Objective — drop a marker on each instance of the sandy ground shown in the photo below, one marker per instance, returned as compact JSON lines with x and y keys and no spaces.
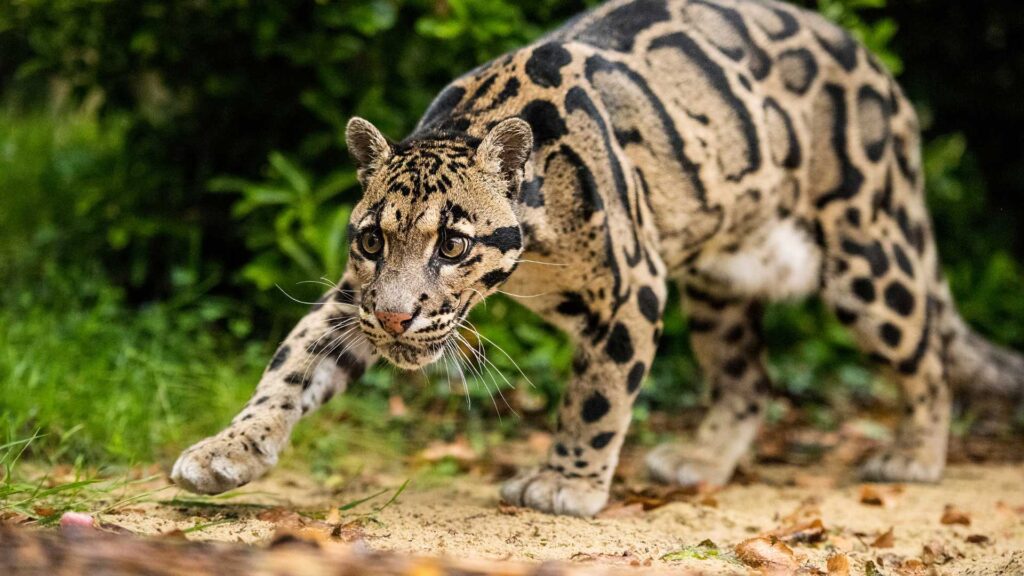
{"x":461,"y":517}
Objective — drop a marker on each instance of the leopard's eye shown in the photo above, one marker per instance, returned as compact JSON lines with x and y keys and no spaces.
{"x":371,"y":242}
{"x":454,"y":247}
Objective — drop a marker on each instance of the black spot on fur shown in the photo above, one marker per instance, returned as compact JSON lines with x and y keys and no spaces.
{"x":572,"y":304}
{"x":296,"y":379}
{"x":545,"y":121}
{"x":845,"y":316}
{"x":619,"y":346}
{"x":595,"y":407}
{"x":279,"y":358}
{"x":510,"y":90}
{"x":735,"y":367}
{"x":902,"y":260}
{"x":504,"y":239}
{"x":601,"y":440}
{"x":648,"y":303}
{"x":899,"y":299}
{"x":700,"y":325}
{"x":545,"y":64}
{"x":735,"y":334}
{"x":890,"y":334}
{"x":561,"y":450}
{"x":617,"y":29}
{"x":864,"y":289}
{"x":636,"y":376}
{"x":853,"y":215}
{"x":494,"y":277}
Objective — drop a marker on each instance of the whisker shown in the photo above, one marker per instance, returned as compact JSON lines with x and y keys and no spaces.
{"x":522,"y":295}
{"x":500,"y":349}
{"x":293,"y":298}
{"x":524,"y":260}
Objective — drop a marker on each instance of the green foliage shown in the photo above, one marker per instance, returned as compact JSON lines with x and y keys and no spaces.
{"x":294,"y":227}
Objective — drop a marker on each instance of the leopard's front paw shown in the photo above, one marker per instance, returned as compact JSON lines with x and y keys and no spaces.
{"x":221,"y":463}
{"x":902,"y":464}
{"x":552,"y":492}
{"x":688,"y":466}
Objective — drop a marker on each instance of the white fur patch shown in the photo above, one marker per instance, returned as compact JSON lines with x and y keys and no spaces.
{"x":783,"y":262}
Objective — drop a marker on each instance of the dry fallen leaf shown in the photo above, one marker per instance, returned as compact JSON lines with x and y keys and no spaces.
{"x":935,"y":553}
{"x":911,"y":567}
{"x":622,"y":510}
{"x":653,"y":497}
{"x":809,"y":532}
{"x":885,"y":540}
{"x":885,"y":497}
{"x":771,"y":556}
{"x":953,"y":515}
{"x":838,"y":565}
{"x":977,"y":539}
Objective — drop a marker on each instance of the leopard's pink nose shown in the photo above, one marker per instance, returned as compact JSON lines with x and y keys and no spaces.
{"x":394,"y":322}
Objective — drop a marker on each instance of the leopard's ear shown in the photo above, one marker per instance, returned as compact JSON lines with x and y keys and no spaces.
{"x":368,"y":147}
{"x":505,"y":150}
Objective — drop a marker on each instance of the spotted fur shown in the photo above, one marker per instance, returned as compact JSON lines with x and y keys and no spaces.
{"x":746,"y":149}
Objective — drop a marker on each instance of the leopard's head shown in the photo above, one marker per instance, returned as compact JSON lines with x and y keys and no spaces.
{"x":434,"y":233}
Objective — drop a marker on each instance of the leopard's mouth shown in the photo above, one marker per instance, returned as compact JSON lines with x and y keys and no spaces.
{"x":410,"y":357}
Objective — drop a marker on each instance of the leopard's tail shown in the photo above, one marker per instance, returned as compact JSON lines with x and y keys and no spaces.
{"x":974,"y":364}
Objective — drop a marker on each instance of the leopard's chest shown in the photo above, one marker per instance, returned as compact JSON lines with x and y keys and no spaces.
{"x":779,"y":260}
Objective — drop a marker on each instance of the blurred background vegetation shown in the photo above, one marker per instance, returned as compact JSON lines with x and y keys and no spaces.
{"x":173,"y":176}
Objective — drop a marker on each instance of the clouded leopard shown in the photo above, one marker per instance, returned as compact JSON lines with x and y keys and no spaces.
{"x":747,"y":150}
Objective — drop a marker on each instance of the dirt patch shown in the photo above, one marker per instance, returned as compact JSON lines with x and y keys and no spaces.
{"x":983,"y":506}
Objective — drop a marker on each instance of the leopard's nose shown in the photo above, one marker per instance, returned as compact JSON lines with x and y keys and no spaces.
{"x":394,"y":322}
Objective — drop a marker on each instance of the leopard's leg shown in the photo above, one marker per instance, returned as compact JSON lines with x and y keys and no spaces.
{"x":612,"y":358}
{"x":319,"y":358}
{"x":727,"y":341}
{"x":882,"y":285}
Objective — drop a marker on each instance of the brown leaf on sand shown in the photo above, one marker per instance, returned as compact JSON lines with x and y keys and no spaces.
{"x":911,"y":567}
{"x":768,"y":554}
{"x":935,"y":553}
{"x":953,"y":515}
{"x":977,"y":539}
{"x":282,"y":518}
{"x":809,"y":532}
{"x":622,"y":510}
{"x":653,"y":497}
{"x":838,"y":565}
{"x":873,"y":495}
{"x":884,"y":540}
{"x":288,"y":522}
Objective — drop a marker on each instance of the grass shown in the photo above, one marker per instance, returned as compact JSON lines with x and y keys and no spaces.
{"x":106,"y":384}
